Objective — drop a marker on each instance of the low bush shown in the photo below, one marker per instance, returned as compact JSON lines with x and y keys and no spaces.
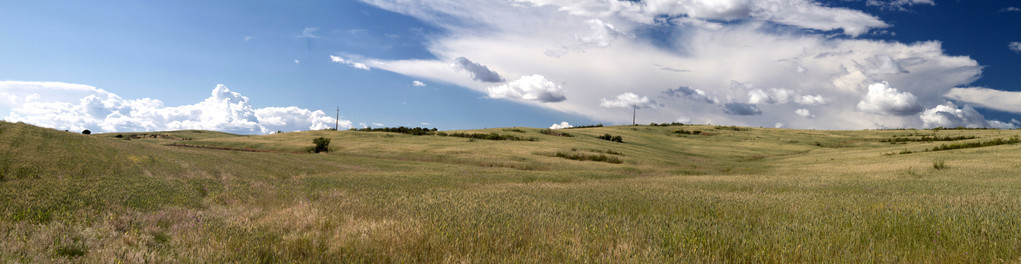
{"x":490,"y":136}
{"x":926,"y":139}
{"x":995,"y":142}
{"x":416,"y":131}
{"x":583,"y":157}
{"x":686,"y":132}
{"x":552,"y":132}
{"x":596,"y":125}
{"x":733,"y":128}
{"x":612,"y":138}
{"x":939,"y":165}
{"x":322,"y":144}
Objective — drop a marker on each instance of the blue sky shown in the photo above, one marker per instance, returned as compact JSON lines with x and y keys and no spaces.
{"x":285,"y":66}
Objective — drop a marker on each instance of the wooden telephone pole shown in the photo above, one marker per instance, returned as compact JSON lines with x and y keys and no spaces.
{"x":337,"y":126}
{"x":634,"y":114}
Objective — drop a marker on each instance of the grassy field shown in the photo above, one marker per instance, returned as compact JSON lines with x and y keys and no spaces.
{"x":725,"y":194}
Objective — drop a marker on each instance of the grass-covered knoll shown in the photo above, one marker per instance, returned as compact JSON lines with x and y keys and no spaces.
{"x":739,"y":195}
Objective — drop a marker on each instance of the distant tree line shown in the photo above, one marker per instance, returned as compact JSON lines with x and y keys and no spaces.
{"x":596,"y":125}
{"x":417,"y":131}
{"x":490,"y":136}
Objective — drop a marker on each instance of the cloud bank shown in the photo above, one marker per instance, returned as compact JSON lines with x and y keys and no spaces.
{"x":76,"y":107}
{"x":746,"y":62}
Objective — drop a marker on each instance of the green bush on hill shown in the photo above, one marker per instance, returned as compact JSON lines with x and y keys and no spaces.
{"x":322,"y":144}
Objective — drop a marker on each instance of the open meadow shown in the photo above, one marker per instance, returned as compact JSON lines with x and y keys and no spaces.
{"x":673,"y":194}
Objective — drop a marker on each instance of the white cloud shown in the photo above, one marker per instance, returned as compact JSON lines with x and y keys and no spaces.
{"x":378,"y":124}
{"x":948,"y":115}
{"x":562,"y":125}
{"x":1015,"y":46}
{"x":628,"y":100}
{"x":478,"y":72}
{"x":1010,"y":9}
{"x":355,"y":64}
{"x":296,"y":61}
{"x":804,"y":113}
{"x":529,"y":88}
{"x":799,"y":13}
{"x":898,"y":4}
{"x":987,"y":98}
{"x":77,"y":107}
{"x":886,"y":100}
{"x":308,"y":32}
{"x":832,"y":74}
{"x":778,"y":125}
{"x":417,"y":83}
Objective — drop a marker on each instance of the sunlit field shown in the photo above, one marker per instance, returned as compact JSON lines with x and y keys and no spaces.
{"x":664,"y":194}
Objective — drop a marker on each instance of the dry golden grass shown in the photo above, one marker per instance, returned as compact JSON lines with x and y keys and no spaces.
{"x":744,"y":195}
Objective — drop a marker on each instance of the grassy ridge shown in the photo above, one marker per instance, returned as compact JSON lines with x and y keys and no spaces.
{"x":726,"y":195}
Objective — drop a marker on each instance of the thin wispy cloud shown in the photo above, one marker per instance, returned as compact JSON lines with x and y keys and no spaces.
{"x":308,"y":32}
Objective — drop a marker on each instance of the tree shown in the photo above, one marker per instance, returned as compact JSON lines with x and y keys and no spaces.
{"x":322,"y":144}
{"x":86,"y":132}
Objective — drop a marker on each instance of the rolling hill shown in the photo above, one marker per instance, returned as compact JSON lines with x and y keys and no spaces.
{"x":665,"y":194}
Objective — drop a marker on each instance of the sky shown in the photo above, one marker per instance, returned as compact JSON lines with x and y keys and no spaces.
{"x":258,"y":67}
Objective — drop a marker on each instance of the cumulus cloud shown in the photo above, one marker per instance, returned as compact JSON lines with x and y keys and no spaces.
{"x":886,"y":100}
{"x":1015,"y":46}
{"x":628,"y":100}
{"x":987,"y":98}
{"x":741,"y":109}
{"x":562,"y":125}
{"x":417,"y":83}
{"x":949,"y":115}
{"x":804,"y":113}
{"x":712,"y":42}
{"x":782,"y":96}
{"x":799,"y":13}
{"x":691,"y":94}
{"x":355,"y":64}
{"x":478,"y":72}
{"x":102,"y":111}
{"x":529,"y":88}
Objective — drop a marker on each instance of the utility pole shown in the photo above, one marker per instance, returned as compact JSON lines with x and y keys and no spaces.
{"x":337,"y":126}
{"x":634,"y":114}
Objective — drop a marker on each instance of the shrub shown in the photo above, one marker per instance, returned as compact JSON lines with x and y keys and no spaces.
{"x":596,"y":125}
{"x":86,"y":132}
{"x":994,"y":142}
{"x":612,"y":138}
{"x":583,"y":157}
{"x":322,"y":144}
{"x":686,"y":132}
{"x":939,"y":165}
{"x":490,"y":136}
{"x":551,"y":132}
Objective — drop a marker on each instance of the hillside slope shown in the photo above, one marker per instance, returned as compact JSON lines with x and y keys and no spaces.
{"x":666,"y":194}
